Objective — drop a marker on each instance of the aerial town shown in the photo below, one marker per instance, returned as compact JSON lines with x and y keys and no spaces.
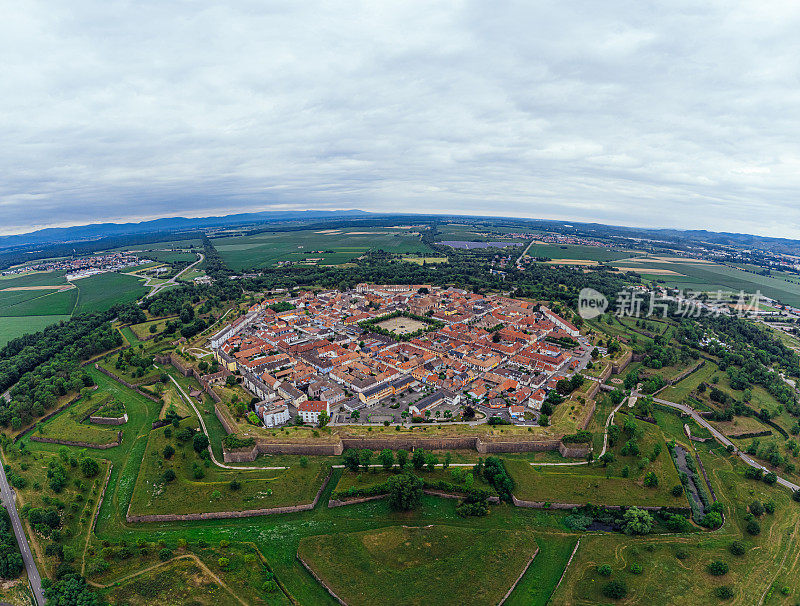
{"x":429,"y":353}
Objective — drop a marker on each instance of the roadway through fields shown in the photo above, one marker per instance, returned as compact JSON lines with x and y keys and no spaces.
{"x":27,"y":557}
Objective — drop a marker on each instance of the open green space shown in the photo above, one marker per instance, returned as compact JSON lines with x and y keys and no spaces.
{"x":454,"y":475}
{"x":171,"y":256}
{"x":73,"y":423}
{"x":605,"y":485}
{"x":673,"y":567}
{"x":199,"y":486}
{"x":420,"y":565}
{"x":328,"y":247}
{"x":166,"y":244}
{"x":73,"y":499}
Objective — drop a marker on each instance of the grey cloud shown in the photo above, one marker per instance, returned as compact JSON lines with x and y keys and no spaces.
{"x":681,"y":116}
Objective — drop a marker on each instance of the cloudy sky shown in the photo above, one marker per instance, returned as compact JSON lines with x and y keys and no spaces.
{"x":684,"y":115}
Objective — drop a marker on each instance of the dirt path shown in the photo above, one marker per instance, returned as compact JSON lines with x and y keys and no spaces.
{"x":188,"y":556}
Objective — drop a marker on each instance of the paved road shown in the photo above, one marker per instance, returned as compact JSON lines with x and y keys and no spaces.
{"x":27,"y":557}
{"x":722,"y":439}
{"x":205,"y":431}
{"x":173,"y":279}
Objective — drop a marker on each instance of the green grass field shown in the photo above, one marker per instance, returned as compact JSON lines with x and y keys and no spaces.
{"x":600,"y":485}
{"x":79,"y":498}
{"x":170,"y":256}
{"x":757,"y":577}
{"x":99,"y":292}
{"x":70,"y":424}
{"x":376,"y":476}
{"x":39,"y":295}
{"x":266,"y":249}
{"x":212,"y":492}
{"x":401,"y":565}
{"x":166,"y":244}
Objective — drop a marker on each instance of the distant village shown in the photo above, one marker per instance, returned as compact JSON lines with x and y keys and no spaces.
{"x":398,"y":353}
{"x":82,"y":267}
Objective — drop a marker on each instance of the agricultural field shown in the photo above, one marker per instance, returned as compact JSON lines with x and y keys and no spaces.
{"x":199,"y":486}
{"x":320,"y":247}
{"x":11,"y":327}
{"x":172,"y":256}
{"x":102,"y":291}
{"x":420,"y":260}
{"x":576,"y":252}
{"x":404,"y":563}
{"x":161,"y":246}
{"x":705,"y":276}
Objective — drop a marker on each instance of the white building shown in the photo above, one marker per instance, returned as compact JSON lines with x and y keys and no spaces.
{"x":273,"y":415}
{"x":310,"y":410}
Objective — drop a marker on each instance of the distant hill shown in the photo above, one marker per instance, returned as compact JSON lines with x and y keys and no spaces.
{"x":101,"y":230}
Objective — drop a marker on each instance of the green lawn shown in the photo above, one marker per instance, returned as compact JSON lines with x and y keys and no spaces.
{"x":403,"y":565}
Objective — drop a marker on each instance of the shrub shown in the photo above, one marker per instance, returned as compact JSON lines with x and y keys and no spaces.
{"x":615,"y":590}
{"x":168,"y":451}
{"x":737,"y":548}
{"x":165,"y":554}
{"x":677,"y":490}
{"x":224,"y":563}
{"x":604,"y":570}
{"x":770,"y":478}
{"x":235,"y":484}
{"x":405,"y":491}
{"x":637,"y":521}
{"x":199,"y":442}
{"x":712,"y":520}
{"x":796,"y":496}
{"x":753,"y":527}
{"x":651,"y":480}
{"x":756,"y":508}
{"x":724,"y":592}
{"x":169,"y":475}
{"x":718,"y":568}
{"x":89,"y":467}
{"x":636,"y":569}
{"x":769,"y":507}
